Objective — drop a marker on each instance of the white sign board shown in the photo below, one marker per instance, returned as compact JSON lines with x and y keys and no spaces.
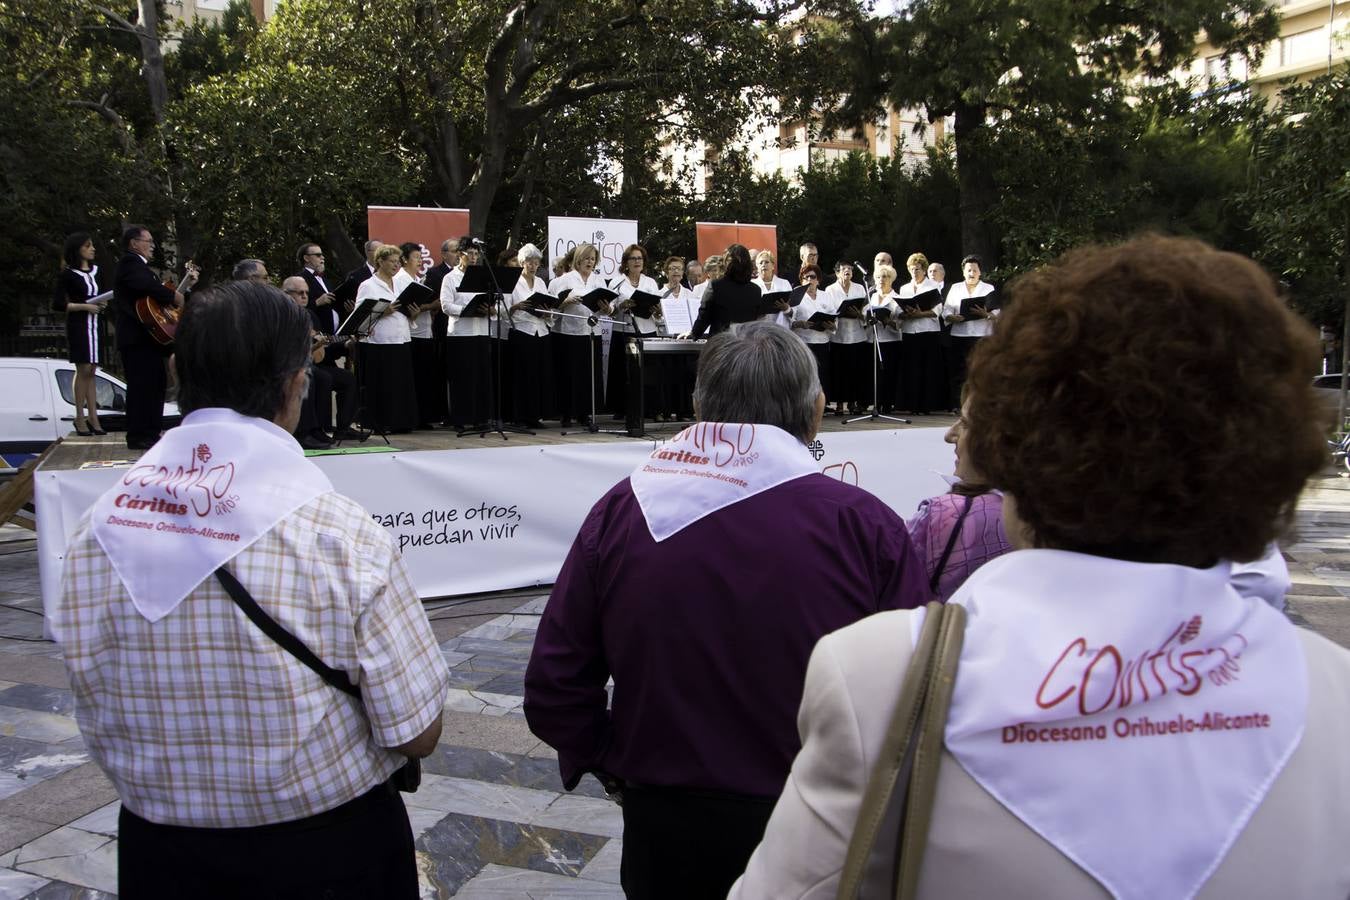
{"x":610,"y":236}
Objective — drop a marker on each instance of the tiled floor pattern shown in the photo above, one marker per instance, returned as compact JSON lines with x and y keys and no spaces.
{"x":491,"y":818}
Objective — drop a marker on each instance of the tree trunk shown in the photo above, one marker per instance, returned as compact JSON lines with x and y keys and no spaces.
{"x":491,"y":166}
{"x":152,"y":59}
{"x":975,"y":180}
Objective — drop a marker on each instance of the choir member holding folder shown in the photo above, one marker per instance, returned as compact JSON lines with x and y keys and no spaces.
{"x":389,"y":397}
{"x":885,"y":312}
{"x":970,"y":308}
{"x":579,"y":341}
{"x":531,"y":363}
{"x":770,"y":285}
{"x":923,"y":376}
{"x":427,"y":370}
{"x":629,"y":324}
{"x":850,"y":364}
{"x":813,"y":320}
{"x":468,"y":346}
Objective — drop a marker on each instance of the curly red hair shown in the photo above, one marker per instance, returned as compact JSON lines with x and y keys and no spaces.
{"x":1149,"y":401}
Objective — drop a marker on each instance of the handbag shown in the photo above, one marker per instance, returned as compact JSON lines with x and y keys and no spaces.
{"x":909,"y":755}
{"x":409,"y":776}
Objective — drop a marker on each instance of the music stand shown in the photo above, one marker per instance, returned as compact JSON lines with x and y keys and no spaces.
{"x":876,"y":415}
{"x":499,"y":281}
{"x":358,"y":324}
{"x":592,"y":319}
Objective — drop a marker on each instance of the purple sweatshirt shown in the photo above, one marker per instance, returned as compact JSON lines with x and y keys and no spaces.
{"x":981,"y":537}
{"x":707,"y":634}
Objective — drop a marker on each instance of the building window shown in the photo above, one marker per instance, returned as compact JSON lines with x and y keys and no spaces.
{"x":1303,"y":47}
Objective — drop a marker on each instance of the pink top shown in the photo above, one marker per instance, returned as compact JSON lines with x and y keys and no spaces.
{"x":980,"y":539}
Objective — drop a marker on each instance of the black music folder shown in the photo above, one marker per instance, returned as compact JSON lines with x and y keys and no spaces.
{"x":595,"y":298}
{"x":822,"y":318}
{"x":644,"y":304}
{"x":990,"y":302}
{"x":362,"y":319}
{"x":768,"y":303}
{"x":540,"y":300}
{"x":796,"y":295}
{"x":925,"y":300}
{"x":486,"y":279}
{"x":853,"y":303}
{"x":416,"y":294}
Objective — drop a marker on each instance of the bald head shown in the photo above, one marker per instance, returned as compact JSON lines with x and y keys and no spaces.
{"x":296,"y":288}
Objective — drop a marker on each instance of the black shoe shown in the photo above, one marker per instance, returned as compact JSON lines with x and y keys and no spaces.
{"x":566,"y":422}
{"x":312,"y":443}
{"x":319,"y":434}
{"x":351,"y":434}
{"x":98,"y":431}
{"x":83,"y":432}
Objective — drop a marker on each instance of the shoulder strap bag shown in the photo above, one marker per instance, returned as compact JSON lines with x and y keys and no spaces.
{"x":409,"y":777}
{"x":910,"y":755}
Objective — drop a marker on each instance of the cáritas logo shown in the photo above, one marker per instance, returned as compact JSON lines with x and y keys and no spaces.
{"x":1098,"y":678}
{"x":201,"y":487}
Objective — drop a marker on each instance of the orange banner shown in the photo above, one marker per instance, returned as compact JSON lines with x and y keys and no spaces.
{"x":715,"y":237}
{"x":428,"y":227}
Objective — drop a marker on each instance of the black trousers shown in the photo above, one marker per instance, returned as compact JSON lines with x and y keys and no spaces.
{"x":361,"y":849}
{"x":428,"y":370}
{"x":687,"y":845}
{"x":147,"y":381}
{"x":343,"y":384}
{"x":531,"y":377}
{"x":957,"y":355}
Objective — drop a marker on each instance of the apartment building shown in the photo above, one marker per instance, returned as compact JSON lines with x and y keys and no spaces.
{"x":211,"y":10}
{"x":1314,"y":37}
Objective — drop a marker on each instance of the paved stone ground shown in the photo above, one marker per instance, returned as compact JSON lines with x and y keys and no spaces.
{"x":491,"y":818}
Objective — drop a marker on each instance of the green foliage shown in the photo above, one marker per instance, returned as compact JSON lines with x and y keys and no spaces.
{"x":1300,"y":197}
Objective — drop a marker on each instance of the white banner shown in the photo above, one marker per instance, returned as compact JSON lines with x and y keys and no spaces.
{"x":469,"y":521}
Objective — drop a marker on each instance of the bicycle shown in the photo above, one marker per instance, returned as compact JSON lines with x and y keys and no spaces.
{"x":1340,"y":449}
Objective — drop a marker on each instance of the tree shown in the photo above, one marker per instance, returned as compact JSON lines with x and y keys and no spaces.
{"x":1300,"y":198}
{"x":482,"y":87}
{"x":989,"y":64}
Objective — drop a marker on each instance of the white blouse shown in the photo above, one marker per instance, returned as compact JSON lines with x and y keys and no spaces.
{"x":453,"y":303}
{"x":579,"y":287}
{"x":528,"y":323}
{"x":391,"y":328}
{"x":778,"y":285}
{"x":890,"y":332}
{"x":909,"y":290}
{"x":952,"y":307}
{"x":847,"y":331}
{"x":803,"y":311}
{"x":625,"y":289}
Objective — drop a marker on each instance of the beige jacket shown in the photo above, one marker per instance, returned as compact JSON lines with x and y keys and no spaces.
{"x":1296,"y":845}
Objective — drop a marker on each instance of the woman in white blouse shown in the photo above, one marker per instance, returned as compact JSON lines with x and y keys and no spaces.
{"x":883,"y":308}
{"x":969,"y":328}
{"x":428,"y":371}
{"x":768,"y":282}
{"x":923,"y":377}
{"x":468,"y":349}
{"x":389,"y":398}
{"x":531,"y":364}
{"x":816,"y":335}
{"x":850,"y":363}
{"x":627,"y":326}
{"x":669,"y":377}
{"x":580,"y":385}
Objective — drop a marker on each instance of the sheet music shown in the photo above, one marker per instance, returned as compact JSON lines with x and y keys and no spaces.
{"x":679,"y":316}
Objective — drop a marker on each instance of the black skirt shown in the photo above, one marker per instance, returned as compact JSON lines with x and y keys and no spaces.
{"x":531,"y":377}
{"x":821,"y":352}
{"x":888,"y":377}
{"x":575,"y":384}
{"x":851,"y":372}
{"x":923,"y":376}
{"x":430,"y":378}
{"x":470,"y":363}
{"x":389,"y":397}
{"x":616,"y":385}
{"x":84,"y":338}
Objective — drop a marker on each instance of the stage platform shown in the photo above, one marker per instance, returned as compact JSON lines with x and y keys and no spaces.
{"x":475,"y":514}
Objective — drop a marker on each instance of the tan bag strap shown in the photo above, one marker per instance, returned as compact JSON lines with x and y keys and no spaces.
{"x":896,"y":756}
{"x":928,"y":754}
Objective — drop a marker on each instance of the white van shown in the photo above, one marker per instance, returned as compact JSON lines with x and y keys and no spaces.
{"x":37,"y":406}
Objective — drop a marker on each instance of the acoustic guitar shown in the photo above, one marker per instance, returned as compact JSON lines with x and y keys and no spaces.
{"x":161,"y":320}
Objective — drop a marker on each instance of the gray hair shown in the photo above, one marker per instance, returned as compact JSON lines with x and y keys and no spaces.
{"x":761,"y":373}
{"x":247,"y":268}
{"x":529,"y":251}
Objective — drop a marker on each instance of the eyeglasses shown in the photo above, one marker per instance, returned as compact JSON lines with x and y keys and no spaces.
{"x":634,"y":259}
{"x":315,"y":253}
{"x":808,"y":278}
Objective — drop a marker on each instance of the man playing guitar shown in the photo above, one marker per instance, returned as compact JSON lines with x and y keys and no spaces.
{"x":143,"y":353}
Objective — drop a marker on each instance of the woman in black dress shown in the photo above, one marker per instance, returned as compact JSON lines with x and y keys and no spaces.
{"x":76,"y":288}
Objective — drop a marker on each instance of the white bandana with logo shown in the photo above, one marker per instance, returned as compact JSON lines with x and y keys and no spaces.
{"x":208,"y":489}
{"x":711,"y":465}
{"x":1133,"y":715}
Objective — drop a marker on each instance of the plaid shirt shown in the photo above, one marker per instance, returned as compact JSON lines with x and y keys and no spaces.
{"x":201,"y":719}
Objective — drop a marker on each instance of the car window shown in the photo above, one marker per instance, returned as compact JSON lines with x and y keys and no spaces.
{"x":65,"y":383}
{"x":110,"y":396}
{"x":22,"y":388}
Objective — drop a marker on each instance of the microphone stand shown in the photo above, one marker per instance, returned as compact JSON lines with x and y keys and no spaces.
{"x":592,"y":427}
{"x":497,"y":425}
{"x":876,"y":415}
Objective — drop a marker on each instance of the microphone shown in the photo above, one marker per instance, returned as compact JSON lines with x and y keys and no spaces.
{"x":859,"y":266}
{"x":476,"y":242}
